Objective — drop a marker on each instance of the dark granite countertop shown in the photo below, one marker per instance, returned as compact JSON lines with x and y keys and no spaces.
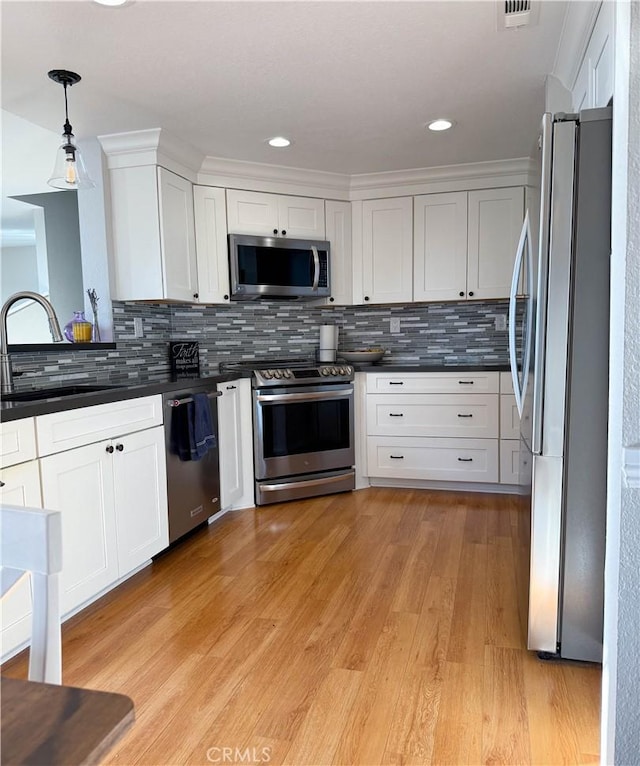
{"x":117,"y":392}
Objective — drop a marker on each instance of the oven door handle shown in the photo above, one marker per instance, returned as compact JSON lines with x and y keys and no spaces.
{"x":305,"y":397}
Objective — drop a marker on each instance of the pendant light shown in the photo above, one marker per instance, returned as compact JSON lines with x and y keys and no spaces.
{"x":69,"y":171}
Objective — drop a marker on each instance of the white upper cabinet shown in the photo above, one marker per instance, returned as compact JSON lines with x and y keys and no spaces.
{"x":275,"y":215}
{"x":495,"y":220}
{"x":465,"y":244}
{"x":593,"y":86}
{"x":440,"y":247}
{"x":154,"y":255}
{"x":386,"y":247}
{"x":338,"y":232}
{"x":211,"y":244}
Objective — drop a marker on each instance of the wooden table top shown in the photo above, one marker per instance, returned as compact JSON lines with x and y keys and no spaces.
{"x":48,"y":725}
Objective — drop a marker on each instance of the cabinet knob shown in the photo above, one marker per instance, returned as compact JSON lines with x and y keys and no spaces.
{"x":1,"y":484}
{"x":196,"y":295}
{"x":471,"y":294}
{"x":284,"y":232}
{"x":331,"y":300}
{"x":275,"y":231}
{"x":110,"y":449}
{"x":231,"y":388}
{"x":366,"y":297}
{"x":226,"y":297}
{"x":119,"y":447}
{"x":461,"y":294}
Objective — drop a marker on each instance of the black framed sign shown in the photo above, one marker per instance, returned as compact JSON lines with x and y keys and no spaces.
{"x":184,"y":356}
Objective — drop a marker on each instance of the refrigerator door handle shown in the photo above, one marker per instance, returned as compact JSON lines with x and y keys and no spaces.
{"x":523,"y":258}
{"x":543,"y":275}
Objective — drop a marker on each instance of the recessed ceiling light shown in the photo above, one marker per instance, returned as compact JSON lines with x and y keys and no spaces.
{"x":113,"y":2}
{"x":440,"y":124}
{"x":279,"y":142}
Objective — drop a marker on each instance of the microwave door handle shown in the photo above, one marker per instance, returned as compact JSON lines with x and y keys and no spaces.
{"x":316,"y":268}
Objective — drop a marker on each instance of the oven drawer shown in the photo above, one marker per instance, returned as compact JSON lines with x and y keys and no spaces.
{"x":471,"y":415}
{"x":474,"y":460}
{"x":311,"y":485}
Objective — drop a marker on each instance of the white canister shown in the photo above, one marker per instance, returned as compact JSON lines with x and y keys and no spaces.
{"x":328,"y":343}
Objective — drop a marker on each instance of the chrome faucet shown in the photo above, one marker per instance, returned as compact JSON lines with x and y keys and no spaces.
{"x":6,"y":375}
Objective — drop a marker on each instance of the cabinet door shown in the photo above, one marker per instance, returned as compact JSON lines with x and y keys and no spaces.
{"x":440,"y":247}
{"x":230,"y":435}
{"x":235,"y":432}
{"x":17,"y":441}
{"x":338,"y":232}
{"x":79,"y":484}
{"x":140,"y":497}
{"x":387,"y":250}
{"x":251,"y":212}
{"x":177,"y":237}
{"x":210,"y":210}
{"x":20,"y":485}
{"x":600,"y":53}
{"x":495,"y":220}
{"x":301,"y":217}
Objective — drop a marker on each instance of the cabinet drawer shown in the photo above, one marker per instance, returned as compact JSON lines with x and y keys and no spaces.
{"x":18,"y":439}
{"x":509,"y":461}
{"x":506,"y":383}
{"x":474,"y":460}
{"x":433,"y":383}
{"x":61,"y":431}
{"x":509,"y":418}
{"x":472,"y":415}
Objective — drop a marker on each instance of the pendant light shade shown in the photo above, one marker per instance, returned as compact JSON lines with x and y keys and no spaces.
{"x":69,"y":171}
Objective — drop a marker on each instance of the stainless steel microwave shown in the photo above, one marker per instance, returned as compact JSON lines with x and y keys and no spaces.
{"x":276,"y":267}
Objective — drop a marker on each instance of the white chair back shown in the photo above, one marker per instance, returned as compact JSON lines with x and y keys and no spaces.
{"x":31,"y":545}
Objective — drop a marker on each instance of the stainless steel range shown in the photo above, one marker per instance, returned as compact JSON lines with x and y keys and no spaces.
{"x":303,"y":432}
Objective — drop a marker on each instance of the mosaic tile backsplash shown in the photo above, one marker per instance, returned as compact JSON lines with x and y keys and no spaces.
{"x":436,"y":333}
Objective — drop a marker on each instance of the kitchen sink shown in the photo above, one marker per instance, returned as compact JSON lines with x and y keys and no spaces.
{"x":54,"y":393}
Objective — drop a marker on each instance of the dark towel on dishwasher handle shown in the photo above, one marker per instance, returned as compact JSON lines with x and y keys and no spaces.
{"x":192,"y":432}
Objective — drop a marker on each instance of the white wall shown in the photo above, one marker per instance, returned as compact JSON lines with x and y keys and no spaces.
{"x":621,"y":664}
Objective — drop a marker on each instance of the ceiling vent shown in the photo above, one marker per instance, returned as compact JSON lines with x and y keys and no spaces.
{"x":513,"y":14}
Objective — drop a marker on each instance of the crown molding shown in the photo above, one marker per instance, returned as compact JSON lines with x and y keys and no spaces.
{"x":257,"y":176}
{"x":443,"y":178}
{"x":154,"y":146}
{"x":238,"y":174}
{"x":579,"y":20}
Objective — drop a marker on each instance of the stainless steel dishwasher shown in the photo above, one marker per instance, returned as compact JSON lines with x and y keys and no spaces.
{"x":193,"y":486}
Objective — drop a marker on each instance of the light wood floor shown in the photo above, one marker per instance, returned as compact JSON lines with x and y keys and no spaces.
{"x":376,"y":627}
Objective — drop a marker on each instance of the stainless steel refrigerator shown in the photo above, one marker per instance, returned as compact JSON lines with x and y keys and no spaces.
{"x":559,"y":347}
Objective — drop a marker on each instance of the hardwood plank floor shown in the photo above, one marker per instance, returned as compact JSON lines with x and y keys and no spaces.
{"x":375,"y":627}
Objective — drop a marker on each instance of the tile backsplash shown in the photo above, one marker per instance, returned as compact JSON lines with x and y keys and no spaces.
{"x":446,"y":333}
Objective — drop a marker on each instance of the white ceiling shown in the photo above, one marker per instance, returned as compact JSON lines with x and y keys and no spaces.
{"x":352,"y":83}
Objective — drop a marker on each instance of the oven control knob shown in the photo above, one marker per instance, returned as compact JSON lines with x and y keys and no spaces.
{"x":267,"y":374}
{"x":342,"y":371}
{"x":287,"y":373}
{"x":278,"y":374}
{"x":324,"y":371}
{"x":334,"y":371}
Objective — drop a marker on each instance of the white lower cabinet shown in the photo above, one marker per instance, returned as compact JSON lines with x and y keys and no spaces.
{"x":79,"y":484}
{"x":235,"y":435}
{"x":430,"y":427}
{"x":509,"y":461}
{"x":20,"y":485}
{"x":113,"y":499}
